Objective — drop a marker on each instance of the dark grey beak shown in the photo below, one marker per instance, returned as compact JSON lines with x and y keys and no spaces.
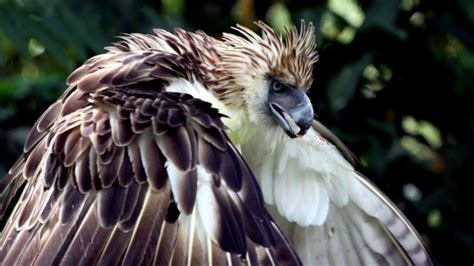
{"x":292,"y":109}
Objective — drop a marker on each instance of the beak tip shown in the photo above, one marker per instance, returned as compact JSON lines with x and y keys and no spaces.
{"x":302,"y":133}
{"x":304,"y":126}
{"x":293,"y":112}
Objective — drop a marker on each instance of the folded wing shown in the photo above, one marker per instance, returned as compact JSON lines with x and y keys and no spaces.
{"x":120,"y":171}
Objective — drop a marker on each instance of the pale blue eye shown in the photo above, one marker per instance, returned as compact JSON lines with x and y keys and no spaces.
{"x":277,"y":86}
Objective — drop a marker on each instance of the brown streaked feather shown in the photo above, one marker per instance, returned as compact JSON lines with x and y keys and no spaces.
{"x":108,"y":171}
{"x":58,"y":142}
{"x":184,"y":186}
{"x":82,"y":173}
{"x":135,"y":202}
{"x":231,"y":236}
{"x":34,"y":159}
{"x":33,"y":137}
{"x":148,"y":228}
{"x":166,"y":243}
{"x":10,"y":192}
{"x":17,"y":247}
{"x":214,"y":136}
{"x":153,"y":161}
{"x":31,"y":251}
{"x":215,"y":254}
{"x":131,"y":200}
{"x":57,"y":240}
{"x":209,"y":156}
{"x":70,"y":200}
{"x":137,"y":166}
{"x":41,"y":203}
{"x":230,"y":171}
{"x":87,"y":243}
{"x":51,"y":167}
{"x":176,"y":146}
{"x":111,"y":204}
{"x":48,"y":118}
{"x":125,"y":174}
{"x":284,"y":253}
{"x":75,"y":101}
{"x":122,"y":132}
{"x":75,"y":146}
{"x":96,"y":166}
{"x":29,"y":202}
{"x":178,"y":255}
{"x":51,"y":202}
{"x":117,"y":244}
{"x":63,"y":177}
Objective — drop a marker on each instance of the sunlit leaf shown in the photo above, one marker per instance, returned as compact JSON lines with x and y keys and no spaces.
{"x":346,"y":35}
{"x":417,"y":19}
{"x":173,"y":7}
{"x":417,"y":149}
{"x":279,"y":17}
{"x":410,"y":125}
{"x":411,"y":192}
{"x":423,"y":128}
{"x":408,"y":5}
{"x":328,"y":25}
{"x":35,"y":47}
{"x":434,"y":218}
{"x":349,"y":10}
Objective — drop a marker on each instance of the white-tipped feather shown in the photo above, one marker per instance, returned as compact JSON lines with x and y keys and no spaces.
{"x":206,"y":204}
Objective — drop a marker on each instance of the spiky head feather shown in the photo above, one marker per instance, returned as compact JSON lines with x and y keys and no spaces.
{"x":237,"y":66}
{"x":249,"y":56}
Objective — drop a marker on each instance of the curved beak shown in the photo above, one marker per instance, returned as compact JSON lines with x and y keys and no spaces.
{"x":292,"y":110}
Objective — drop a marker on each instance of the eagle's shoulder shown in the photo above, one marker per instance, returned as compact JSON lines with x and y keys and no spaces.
{"x":118,"y":163}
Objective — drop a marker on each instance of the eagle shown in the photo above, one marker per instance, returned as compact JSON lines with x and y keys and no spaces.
{"x":181,"y":148}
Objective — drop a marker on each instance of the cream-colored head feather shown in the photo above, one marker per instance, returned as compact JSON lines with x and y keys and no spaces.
{"x":248,"y":62}
{"x":236,"y":69}
{"x":289,"y":58}
{"x":249,"y":57}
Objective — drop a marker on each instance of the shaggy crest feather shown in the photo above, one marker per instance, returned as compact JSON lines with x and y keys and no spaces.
{"x":229,"y":66}
{"x":289,"y":58}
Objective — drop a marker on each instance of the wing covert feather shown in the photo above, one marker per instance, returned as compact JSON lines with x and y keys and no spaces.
{"x":94,"y":195}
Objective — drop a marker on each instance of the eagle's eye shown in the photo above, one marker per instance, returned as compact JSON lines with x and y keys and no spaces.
{"x":277,"y":85}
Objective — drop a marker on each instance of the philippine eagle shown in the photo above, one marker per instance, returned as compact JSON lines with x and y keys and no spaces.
{"x":179,"y":148}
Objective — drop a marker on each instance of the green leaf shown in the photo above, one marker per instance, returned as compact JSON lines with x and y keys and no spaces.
{"x":342,"y":86}
{"x":279,"y":17}
{"x":383,"y":14}
{"x":468,"y":9}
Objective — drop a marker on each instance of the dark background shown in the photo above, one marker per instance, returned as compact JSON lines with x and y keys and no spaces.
{"x":394,"y":81}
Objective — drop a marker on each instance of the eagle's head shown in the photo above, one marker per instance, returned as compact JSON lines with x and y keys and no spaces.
{"x":269,"y":75}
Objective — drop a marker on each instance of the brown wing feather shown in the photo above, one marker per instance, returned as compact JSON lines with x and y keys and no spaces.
{"x":98,"y":184}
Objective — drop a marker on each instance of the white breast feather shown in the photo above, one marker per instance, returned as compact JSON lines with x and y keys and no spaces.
{"x":299,"y":176}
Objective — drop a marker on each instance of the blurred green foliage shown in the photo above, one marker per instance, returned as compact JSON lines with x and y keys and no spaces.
{"x":395,"y":82}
